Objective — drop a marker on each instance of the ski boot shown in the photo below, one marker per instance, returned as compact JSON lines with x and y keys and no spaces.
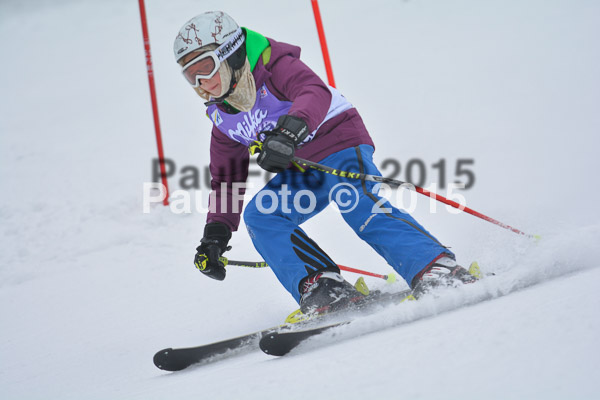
{"x":442,"y":272}
{"x":326,"y":292}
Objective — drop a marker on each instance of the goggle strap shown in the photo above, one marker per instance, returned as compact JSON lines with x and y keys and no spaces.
{"x":230,"y":46}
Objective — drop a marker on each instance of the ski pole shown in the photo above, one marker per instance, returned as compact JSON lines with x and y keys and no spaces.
{"x":381,"y":179}
{"x":391,"y":278}
{"x":388,"y":278}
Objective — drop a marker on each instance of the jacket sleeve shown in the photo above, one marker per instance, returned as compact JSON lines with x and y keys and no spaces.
{"x":295,"y":81}
{"x":228,"y":165}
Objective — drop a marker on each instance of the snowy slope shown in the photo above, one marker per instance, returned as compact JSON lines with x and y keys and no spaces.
{"x":91,"y":287}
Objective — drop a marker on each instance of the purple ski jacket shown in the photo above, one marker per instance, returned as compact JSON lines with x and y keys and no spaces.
{"x":288,"y":79}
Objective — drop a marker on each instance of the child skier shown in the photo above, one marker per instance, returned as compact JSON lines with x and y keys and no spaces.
{"x":257,"y":89}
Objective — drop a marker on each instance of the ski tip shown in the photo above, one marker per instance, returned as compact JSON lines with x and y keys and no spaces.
{"x":161,"y":359}
{"x":271,"y":345}
{"x":168,"y":361}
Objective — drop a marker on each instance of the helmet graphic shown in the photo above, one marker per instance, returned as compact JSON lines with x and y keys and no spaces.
{"x":212,"y":27}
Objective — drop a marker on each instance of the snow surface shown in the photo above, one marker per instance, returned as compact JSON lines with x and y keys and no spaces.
{"x":91,"y":287}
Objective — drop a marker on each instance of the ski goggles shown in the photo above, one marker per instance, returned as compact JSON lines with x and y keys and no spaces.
{"x":206,"y":65}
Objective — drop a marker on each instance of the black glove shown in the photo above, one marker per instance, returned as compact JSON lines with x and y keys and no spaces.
{"x":280,"y":144}
{"x":214,"y":243}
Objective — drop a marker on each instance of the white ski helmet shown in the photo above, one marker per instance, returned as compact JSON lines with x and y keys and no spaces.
{"x":211,"y":27}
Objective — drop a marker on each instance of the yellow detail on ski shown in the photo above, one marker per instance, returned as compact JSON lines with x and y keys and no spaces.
{"x":295,"y":317}
{"x":410,"y":297}
{"x":475,"y":270}
{"x":361,"y":286}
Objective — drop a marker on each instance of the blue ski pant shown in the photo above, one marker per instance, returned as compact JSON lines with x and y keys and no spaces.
{"x":273,"y":217}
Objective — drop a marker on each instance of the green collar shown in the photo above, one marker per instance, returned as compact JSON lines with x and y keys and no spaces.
{"x":255,"y":45}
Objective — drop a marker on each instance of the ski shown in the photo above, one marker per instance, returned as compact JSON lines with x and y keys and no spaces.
{"x":280,"y":342}
{"x":180,"y":358}
{"x":177,"y":359}
{"x":276,"y":343}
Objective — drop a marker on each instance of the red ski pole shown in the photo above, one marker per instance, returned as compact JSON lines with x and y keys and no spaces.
{"x":381,"y":179}
{"x":389,"y":278}
{"x":261,"y":264}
